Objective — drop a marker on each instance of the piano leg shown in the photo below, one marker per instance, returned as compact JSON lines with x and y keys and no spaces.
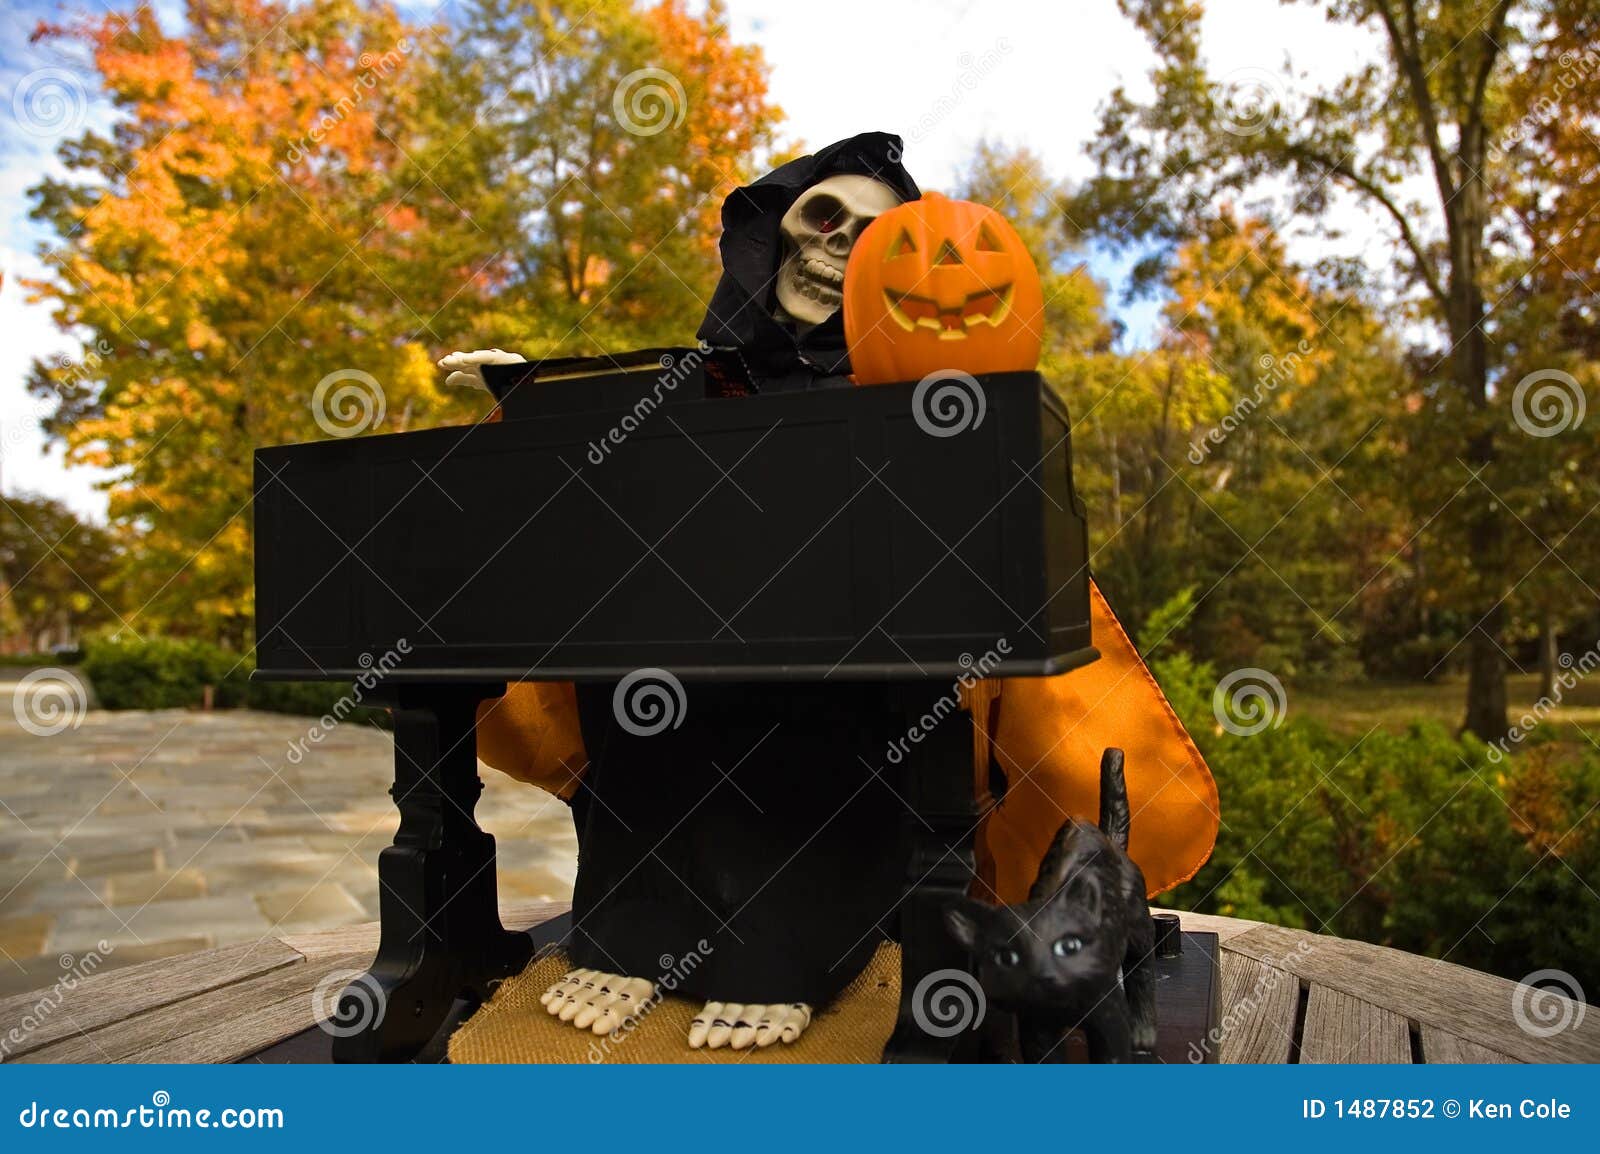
{"x":441,"y":936}
{"x":938,"y":783}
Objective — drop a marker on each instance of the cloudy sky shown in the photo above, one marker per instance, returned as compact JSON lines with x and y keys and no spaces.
{"x":942,"y":73}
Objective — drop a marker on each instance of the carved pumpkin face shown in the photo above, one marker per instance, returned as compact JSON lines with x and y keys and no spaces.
{"x":938,"y":285}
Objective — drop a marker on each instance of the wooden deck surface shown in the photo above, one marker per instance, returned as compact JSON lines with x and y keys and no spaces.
{"x":1287,"y":996}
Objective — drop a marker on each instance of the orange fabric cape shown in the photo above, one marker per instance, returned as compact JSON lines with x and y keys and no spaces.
{"x":1045,"y":733}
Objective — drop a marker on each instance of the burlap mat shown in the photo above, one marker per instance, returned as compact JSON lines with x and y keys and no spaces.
{"x":514,"y":1028}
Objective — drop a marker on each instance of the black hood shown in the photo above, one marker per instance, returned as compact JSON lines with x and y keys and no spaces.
{"x":740,"y":316}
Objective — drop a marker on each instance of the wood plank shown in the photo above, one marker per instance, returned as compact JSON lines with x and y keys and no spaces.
{"x":217,"y":1026}
{"x":47,"y":1016}
{"x":1259,"y":1003}
{"x":517,"y":915}
{"x":1225,"y":928}
{"x":1471,"y":1005}
{"x":1440,"y":1047}
{"x":1340,"y":1028}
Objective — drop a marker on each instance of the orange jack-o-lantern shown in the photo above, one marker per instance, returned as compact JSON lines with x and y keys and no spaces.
{"x":938,"y":285}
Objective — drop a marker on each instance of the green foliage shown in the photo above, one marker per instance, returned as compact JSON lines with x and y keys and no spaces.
{"x":168,"y":673}
{"x":1414,"y":839}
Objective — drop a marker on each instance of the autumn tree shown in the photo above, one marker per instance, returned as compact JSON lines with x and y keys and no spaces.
{"x":1431,"y":104}
{"x":599,"y":142}
{"x":302,"y":205}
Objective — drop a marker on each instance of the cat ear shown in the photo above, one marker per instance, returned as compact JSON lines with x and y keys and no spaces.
{"x":961,"y":918}
{"x":1083,"y":891}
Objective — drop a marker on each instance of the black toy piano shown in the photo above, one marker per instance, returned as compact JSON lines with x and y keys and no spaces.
{"x":620,"y":517}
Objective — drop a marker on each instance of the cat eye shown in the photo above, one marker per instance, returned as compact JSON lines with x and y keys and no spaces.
{"x":1006,"y":957}
{"x":1067,"y":946}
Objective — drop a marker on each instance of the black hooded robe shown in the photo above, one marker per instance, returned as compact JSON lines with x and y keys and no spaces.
{"x":753,"y":854}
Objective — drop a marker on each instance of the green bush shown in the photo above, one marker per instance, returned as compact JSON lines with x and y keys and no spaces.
{"x":166,"y":673}
{"x":159,"y":673}
{"x":1416,"y":840}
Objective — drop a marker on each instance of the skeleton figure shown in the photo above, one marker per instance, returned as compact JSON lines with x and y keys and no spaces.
{"x":819,"y":230}
{"x":782,"y":875}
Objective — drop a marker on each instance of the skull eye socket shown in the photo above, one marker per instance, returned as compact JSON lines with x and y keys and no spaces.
{"x":987,"y":241}
{"x":902,"y":245}
{"x":823,"y":213}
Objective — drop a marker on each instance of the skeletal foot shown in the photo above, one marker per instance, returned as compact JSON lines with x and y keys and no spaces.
{"x":739,"y":1027}
{"x":591,"y":1000}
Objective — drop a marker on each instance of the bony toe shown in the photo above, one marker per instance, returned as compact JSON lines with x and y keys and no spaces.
{"x":700,"y":1028}
{"x":744,"y":1027}
{"x":722,"y":1025}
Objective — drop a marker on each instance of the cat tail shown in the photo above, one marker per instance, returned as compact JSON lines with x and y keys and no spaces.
{"x":1114,"y":816}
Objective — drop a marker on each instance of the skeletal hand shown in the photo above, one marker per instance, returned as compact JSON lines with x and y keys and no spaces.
{"x":466,"y":369}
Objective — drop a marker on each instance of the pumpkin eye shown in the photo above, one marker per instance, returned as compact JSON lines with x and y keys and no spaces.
{"x":901,"y":246}
{"x":987,"y":241}
{"x":947,"y":254}
{"x":1067,"y":946}
{"x":1005,"y":957}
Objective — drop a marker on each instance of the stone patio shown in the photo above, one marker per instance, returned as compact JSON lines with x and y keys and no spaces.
{"x":162,"y":832}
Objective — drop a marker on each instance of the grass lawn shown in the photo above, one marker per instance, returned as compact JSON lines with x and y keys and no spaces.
{"x":1355,"y":707}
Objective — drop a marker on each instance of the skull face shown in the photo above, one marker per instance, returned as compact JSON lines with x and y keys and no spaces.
{"x":818,"y":232}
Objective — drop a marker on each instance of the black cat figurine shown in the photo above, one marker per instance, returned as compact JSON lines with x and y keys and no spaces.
{"x":1055,"y":959}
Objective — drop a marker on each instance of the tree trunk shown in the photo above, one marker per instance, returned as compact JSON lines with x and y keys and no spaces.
{"x":1549,"y":654}
{"x":1486,"y":538}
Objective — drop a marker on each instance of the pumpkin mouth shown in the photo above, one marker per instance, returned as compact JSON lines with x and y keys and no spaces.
{"x":986,"y":307}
